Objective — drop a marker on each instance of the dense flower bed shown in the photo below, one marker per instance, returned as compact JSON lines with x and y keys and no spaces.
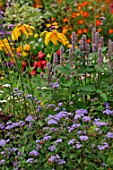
{"x":56,"y":85}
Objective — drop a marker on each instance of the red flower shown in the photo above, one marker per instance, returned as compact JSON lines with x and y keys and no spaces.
{"x":24,"y":64}
{"x":58,"y":52}
{"x":35,"y":64}
{"x":33,"y":72}
{"x":40,"y":55}
{"x":98,"y":22}
{"x":85,"y":14}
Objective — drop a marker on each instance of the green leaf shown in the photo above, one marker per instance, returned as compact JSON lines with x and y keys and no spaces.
{"x":104,"y":96}
{"x":88,"y":88}
{"x":92,"y":129}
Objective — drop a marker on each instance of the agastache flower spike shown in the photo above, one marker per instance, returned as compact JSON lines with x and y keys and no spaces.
{"x":61,"y":55}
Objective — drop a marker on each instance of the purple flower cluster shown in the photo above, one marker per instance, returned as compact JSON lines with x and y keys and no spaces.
{"x":103,"y":146}
{"x":57,"y":159}
{"x":33,"y":153}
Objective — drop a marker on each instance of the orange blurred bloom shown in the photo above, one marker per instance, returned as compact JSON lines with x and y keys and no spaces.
{"x":53,"y":19}
{"x":80,"y":21}
{"x":88,"y":40}
{"x":65,"y":20}
{"x":85,"y":30}
{"x":110,"y":31}
{"x":98,"y":22}
{"x":74,"y":15}
{"x":79,"y":31}
{"x":84,"y":3}
{"x":85,"y":14}
{"x":99,"y":29}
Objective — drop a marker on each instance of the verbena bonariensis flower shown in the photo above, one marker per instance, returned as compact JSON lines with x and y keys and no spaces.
{"x":2,"y":142}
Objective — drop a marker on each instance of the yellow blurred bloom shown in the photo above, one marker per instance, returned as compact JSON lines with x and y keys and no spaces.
{"x":19,"y":49}
{"x":26,"y":47}
{"x":70,"y":45}
{"x":64,"y":30}
{"x":55,"y":37}
{"x":48,"y":25}
{"x":35,"y":35}
{"x":6,"y":46}
{"x":23,"y":54}
{"x":22,"y":28}
{"x":55,"y":23}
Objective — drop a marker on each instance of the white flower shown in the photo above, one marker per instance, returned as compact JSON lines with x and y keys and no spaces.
{"x":6,"y":85}
{"x":3,"y":101}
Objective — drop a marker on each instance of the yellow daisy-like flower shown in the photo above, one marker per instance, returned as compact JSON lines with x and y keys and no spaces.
{"x":19,"y":49}
{"x":55,"y":37}
{"x":22,"y":28}
{"x":6,"y":46}
{"x":26,"y":47}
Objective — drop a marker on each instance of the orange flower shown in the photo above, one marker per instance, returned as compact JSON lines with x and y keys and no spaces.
{"x":73,"y":15}
{"x":85,"y":14}
{"x":110,"y":31}
{"x":84,"y":3}
{"x":65,"y":19}
{"x":85,"y":30}
{"x":80,"y":21}
{"x":88,"y":40}
{"x":64,"y":30}
{"x":79,"y":31}
{"x":79,"y":7}
{"x":53,"y":19}
{"x":98,"y":22}
{"x":99,"y":29}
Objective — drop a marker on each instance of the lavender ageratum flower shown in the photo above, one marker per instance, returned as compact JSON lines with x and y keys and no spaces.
{"x":29,"y":96}
{"x":109,"y":135}
{"x":46,"y":138}
{"x":58,"y":141}
{"x":71,"y":103}
{"x":33,"y":153}
{"x":61,"y":115}
{"x":56,"y":109}
{"x":52,"y":148}
{"x":21,"y":123}
{"x":78,"y":146}
{"x":30,"y":160}
{"x":86,"y":119}
{"x":61,"y":162}
{"x":31,"y":124}
{"x":38,"y":146}
{"x":2,"y":161}
{"x":1,"y":126}
{"x":108,"y":112}
{"x":77,"y":116}
{"x":107,"y":105}
{"x":103,"y":146}
{"x":81,"y":112}
{"x":29,"y":118}
{"x":103,"y":164}
{"x":71,"y":141}
{"x":15,"y":164}
{"x":2,"y":142}
{"x":98,"y":124}
{"x":60,"y":104}
{"x":50,"y":105}
{"x":74,"y":126}
{"x":52,"y":158}
{"x":38,"y":109}
{"x":52,"y":122}
{"x":55,"y":85}
{"x":84,"y":138}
